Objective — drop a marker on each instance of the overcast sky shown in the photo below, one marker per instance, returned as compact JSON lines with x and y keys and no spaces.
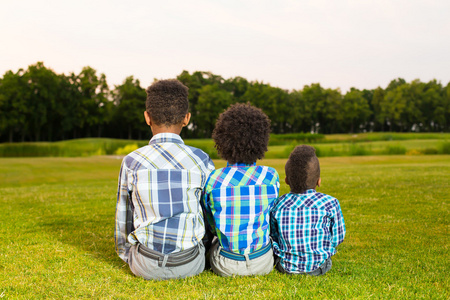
{"x":286,"y":43}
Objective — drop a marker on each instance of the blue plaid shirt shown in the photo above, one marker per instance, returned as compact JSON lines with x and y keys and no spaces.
{"x":306,"y":229}
{"x":237,"y":200}
{"x":160,"y":186}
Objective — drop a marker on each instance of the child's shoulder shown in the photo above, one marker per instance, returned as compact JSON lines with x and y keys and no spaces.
{"x":198,"y":152}
{"x":135,"y":156}
{"x":169,"y":155}
{"x":324,"y":200}
{"x":310,"y":198}
{"x":269,"y":173}
{"x":270,"y":169}
{"x":244,"y":175}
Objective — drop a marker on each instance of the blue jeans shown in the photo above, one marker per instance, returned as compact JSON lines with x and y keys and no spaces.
{"x":325,"y":267}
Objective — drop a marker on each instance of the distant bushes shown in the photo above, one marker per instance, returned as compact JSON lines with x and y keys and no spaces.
{"x":444,"y":148}
{"x":379,"y":136}
{"x":127,"y":149}
{"x":394,"y":150}
{"x":295,"y":138}
{"x":360,"y":150}
{"x":280,"y":146}
{"x":70,"y":148}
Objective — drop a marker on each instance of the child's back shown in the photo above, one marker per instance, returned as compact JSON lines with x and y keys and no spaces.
{"x":306,"y":226}
{"x":239,"y":198}
{"x":165,"y":179}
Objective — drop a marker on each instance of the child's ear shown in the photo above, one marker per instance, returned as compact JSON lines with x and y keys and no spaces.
{"x":148,"y":120}
{"x":319,"y":181}
{"x":286,"y":180}
{"x":186,"y":119}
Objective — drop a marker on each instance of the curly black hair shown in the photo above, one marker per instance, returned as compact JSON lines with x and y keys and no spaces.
{"x":167,"y":102}
{"x":302,"y":169}
{"x":241,"y":134}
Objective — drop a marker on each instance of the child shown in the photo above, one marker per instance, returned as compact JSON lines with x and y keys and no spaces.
{"x":306,"y":226}
{"x":159,"y":221}
{"x":237,"y":199}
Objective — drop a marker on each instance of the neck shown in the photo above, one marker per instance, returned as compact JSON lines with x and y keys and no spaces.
{"x":163,"y":129}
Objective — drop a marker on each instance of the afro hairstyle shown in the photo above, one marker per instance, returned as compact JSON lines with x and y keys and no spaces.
{"x":167,"y":102}
{"x":241,"y":134}
{"x":302,"y":169}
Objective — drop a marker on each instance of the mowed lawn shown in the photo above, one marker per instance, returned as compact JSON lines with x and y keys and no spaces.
{"x":57,"y":221}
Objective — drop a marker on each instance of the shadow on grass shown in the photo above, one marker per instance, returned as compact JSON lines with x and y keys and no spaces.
{"x":88,"y":228}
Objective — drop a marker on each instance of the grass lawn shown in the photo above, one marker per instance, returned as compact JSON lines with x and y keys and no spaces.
{"x":57,"y":220}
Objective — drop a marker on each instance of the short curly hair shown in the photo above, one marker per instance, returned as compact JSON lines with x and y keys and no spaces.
{"x":302,"y":169}
{"x":167,"y":102}
{"x":241,"y":134}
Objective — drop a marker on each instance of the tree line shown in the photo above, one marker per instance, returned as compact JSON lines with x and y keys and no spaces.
{"x":37,"y":104}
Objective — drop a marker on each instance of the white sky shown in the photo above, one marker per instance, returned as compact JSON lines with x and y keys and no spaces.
{"x":285,"y":43}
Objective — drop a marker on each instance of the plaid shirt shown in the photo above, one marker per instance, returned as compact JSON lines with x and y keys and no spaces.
{"x":160,"y":186}
{"x":237,"y":200}
{"x":306,"y":229}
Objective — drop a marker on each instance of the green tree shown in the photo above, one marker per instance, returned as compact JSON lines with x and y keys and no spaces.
{"x":129,"y":99}
{"x":299,"y":117}
{"x":93,"y":91}
{"x":393,"y":107}
{"x":445,"y":108}
{"x":395,"y":84}
{"x":368,"y":96}
{"x":327,"y":114}
{"x":433,"y":107}
{"x":211,"y":102}
{"x":332,"y":111}
{"x":273,"y":101}
{"x":402,"y":106}
{"x":41,"y":96}
{"x":314,"y":95}
{"x":195,"y":82}
{"x":355,"y":109}
{"x":237,"y":86}
{"x":13,"y":105}
{"x":379,"y":115}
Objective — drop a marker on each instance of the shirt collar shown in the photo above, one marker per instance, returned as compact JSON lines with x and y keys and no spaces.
{"x":240,"y":165}
{"x":308,"y":191}
{"x":166,"y":137}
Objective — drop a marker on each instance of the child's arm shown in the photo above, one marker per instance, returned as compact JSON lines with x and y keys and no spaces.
{"x":337,"y":226}
{"x":209,"y":219}
{"x":274,"y":234}
{"x":124,"y":221}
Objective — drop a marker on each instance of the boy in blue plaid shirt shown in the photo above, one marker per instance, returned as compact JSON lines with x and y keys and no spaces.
{"x":306,"y":226}
{"x":237,"y":199}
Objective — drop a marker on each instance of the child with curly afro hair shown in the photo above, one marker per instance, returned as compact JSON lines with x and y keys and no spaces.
{"x":237,"y":199}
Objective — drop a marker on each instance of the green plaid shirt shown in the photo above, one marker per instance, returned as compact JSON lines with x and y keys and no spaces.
{"x":237,"y":200}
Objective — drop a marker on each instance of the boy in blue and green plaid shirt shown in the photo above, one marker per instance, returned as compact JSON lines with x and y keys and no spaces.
{"x":306,"y":226}
{"x":237,"y":199}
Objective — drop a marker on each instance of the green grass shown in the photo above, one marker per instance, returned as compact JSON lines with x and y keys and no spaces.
{"x":57,"y":220}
